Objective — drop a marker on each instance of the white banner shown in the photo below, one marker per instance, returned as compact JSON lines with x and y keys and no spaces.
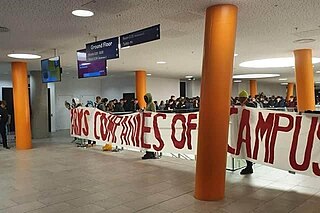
{"x":283,"y":140}
{"x":161,"y":132}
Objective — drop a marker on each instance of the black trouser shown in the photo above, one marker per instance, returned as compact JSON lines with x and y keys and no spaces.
{"x":249,"y":164}
{"x":3,"y":135}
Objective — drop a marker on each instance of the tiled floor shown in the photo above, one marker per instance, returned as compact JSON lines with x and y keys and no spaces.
{"x":56,"y":176}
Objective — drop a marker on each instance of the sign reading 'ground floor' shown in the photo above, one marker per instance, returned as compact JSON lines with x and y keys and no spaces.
{"x":283,"y":140}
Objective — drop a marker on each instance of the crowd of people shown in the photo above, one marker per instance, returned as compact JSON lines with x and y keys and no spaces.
{"x":173,"y":104}
{"x":272,"y":102}
{"x":185,"y":104}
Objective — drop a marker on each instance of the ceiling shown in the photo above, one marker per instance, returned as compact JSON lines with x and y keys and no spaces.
{"x":266,"y":29}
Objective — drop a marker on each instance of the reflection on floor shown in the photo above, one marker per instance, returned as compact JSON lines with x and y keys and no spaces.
{"x":56,"y":176}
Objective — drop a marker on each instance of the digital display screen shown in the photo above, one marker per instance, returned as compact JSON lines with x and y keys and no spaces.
{"x":51,"y":70}
{"x":90,"y":69}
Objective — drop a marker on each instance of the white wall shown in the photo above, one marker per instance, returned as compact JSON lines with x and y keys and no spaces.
{"x":193,"y":88}
{"x":267,"y":88}
{"x":72,"y":87}
{"x":163,"y":88}
{"x":113,"y":87}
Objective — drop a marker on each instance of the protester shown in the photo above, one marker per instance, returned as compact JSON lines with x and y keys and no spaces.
{"x":98,"y":100}
{"x":103,"y":104}
{"x":150,"y":108}
{"x":118,"y":107}
{"x":243,"y":99}
{"x":4,"y":117}
{"x":162,"y":106}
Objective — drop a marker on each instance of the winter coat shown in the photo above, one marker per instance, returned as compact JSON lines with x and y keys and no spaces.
{"x":150,"y":105}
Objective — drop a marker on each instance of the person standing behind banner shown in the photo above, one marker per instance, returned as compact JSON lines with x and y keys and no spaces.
{"x":98,"y":100}
{"x":243,"y":99}
{"x":3,"y":122}
{"x":149,"y":108}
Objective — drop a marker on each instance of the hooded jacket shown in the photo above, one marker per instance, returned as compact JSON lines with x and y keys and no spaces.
{"x":150,"y":105}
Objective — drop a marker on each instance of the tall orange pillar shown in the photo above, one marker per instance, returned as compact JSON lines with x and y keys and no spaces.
{"x":219,"y":45}
{"x":253,"y":88}
{"x":21,"y":105}
{"x":141,"y":87}
{"x":290,"y":89}
{"x":304,"y":80}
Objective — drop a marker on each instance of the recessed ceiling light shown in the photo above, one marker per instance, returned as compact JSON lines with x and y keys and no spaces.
{"x":273,"y":63}
{"x":149,"y":74}
{"x":237,"y":81}
{"x":304,"y":40}
{"x":283,"y":79}
{"x":236,"y":54}
{"x":189,"y":76}
{"x":254,"y":76}
{"x":161,"y":62}
{"x":24,"y":56}
{"x":82,"y":13}
{"x":318,"y":71}
{"x":284,"y":84}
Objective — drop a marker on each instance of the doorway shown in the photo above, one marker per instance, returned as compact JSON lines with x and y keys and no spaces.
{"x":49,"y":110}
{"x":182,"y":89}
{"x":7,"y":95}
{"x":129,"y":96}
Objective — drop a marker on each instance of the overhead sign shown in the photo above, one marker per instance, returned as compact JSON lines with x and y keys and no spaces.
{"x":140,"y":36}
{"x":105,"y":49}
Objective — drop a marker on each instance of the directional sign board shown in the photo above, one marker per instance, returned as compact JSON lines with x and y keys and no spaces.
{"x":105,"y":49}
{"x":140,"y":36}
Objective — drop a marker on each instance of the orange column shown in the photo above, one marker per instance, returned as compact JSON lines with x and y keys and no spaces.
{"x":21,"y":105}
{"x":290,"y":90}
{"x":219,"y":44}
{"x":141,"y":87}
{"x":253,"y":88}
{"x":304,"y":80}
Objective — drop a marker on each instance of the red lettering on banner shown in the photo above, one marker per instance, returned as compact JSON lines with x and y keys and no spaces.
{"x":71,"y":121}
{"x":244,"y":125}
{"x":130,"y":135}
{"x":110,"y":127}
{"x":315,"y":165}
{"x":138,"y":129}
{"x":233,"y":111}
{"x":145,"y":129}
{"x":116,"y":125}
{"x":75,"y":122}
{"x":103,"y":126}
{"x":85,"y":130}
{"x":157,"y":131}
{"x":79,"y":120}
{"x":263,"y":127}
{"x":95,"y":125}
{"x":277,"y":128}
{"x":191,"y":126}
{"x":178,"y":144}
{"x":124,"y":133}
{"x":307,"y":154}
